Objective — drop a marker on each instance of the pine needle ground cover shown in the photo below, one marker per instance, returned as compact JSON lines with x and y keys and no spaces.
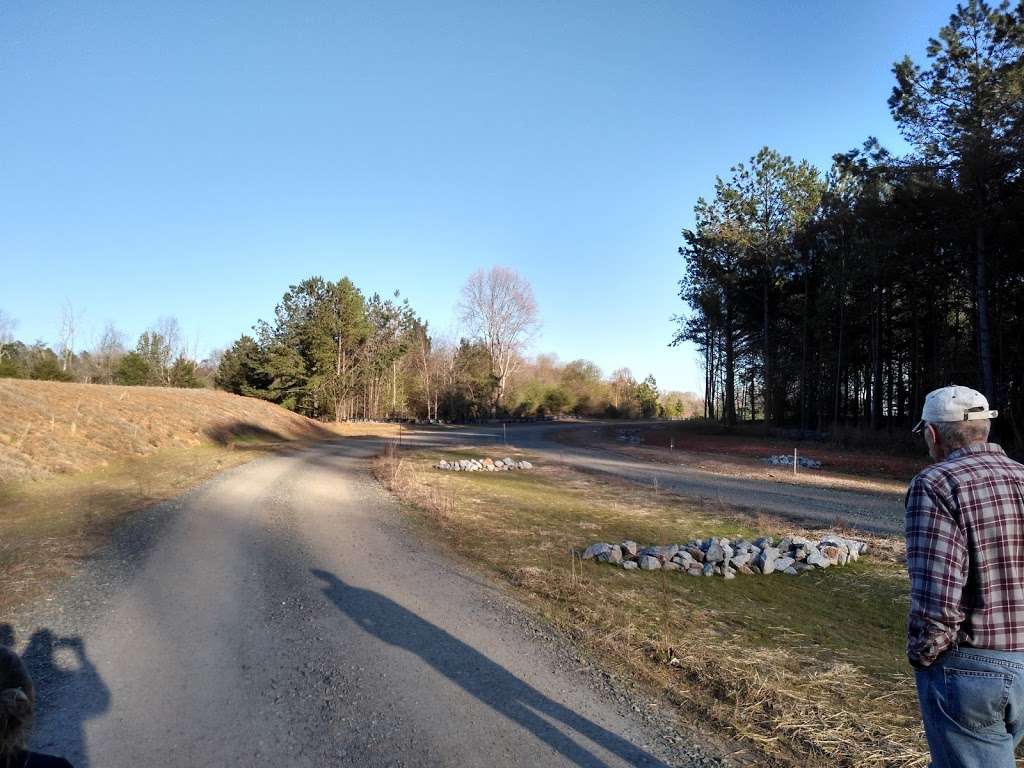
{"x":803,"y":670}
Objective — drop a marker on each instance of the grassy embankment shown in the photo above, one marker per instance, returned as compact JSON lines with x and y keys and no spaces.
{"x":76,"y":458}
{"x":804,"y":670}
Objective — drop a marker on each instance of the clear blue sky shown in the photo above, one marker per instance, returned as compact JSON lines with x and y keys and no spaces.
{"x":194,"y":159}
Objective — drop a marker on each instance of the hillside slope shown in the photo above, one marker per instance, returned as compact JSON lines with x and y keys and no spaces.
{"x":56,"y":428}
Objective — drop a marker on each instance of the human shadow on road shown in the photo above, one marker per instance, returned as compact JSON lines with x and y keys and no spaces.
{"x":478,"y":675}
{"x":67,"y":695}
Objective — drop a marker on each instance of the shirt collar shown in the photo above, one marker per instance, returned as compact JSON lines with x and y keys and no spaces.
{"x":975,"y":448}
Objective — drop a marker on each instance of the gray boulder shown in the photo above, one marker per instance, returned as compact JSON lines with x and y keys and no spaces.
{"x":741,"y":559}
{"x":629,"y":565}
{"x":831,"y":552}
{"x":630,"y":548}
{"x":817,"y":559}
{"x":595,"y":549}
{"x":661,"y":552}
{"x":613,"y":555}
{"x":766,"y":560}
{"x":714,"y":553}
{"x":649,"y":563}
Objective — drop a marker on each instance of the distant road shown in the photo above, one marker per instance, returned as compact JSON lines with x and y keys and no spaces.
{"x":876,"y":512}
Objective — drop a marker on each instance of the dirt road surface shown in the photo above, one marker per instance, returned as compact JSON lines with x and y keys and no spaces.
{"x":282,"y":614}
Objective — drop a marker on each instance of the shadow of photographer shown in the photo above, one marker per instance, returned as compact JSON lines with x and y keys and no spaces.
{"x":69,"y":692}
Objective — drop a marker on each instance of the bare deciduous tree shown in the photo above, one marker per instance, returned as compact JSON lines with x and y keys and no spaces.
{"x":69,"y":322}
{"x":169,"y":329}
{"x":421,"y":350}
{"x":108,"y":352}
{"x":498,"y":308}
{"x":7,"y":326}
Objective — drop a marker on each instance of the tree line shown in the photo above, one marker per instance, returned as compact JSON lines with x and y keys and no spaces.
{"x":159,"y":358}
{"x":820,"y":300}
{"x":333,"y":352}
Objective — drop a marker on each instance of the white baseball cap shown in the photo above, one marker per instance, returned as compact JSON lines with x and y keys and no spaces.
{"x":954,"y":404}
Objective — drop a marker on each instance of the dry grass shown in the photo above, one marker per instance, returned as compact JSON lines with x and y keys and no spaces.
{"x":76,"y":458}
{"x":51,"y":428}
{"x":804,"y":671}
{"x":48,"y":528}
{"x":364,"y":429}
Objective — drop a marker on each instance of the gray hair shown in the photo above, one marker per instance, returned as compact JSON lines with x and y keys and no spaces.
{"x":960,"y":434}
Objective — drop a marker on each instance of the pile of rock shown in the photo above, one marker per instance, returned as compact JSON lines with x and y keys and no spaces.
{"x":783,"y":460}
{"x":792,"y":555}
{"x":483,"y":465}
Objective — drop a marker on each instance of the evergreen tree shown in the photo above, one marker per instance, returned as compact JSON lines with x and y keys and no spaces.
{"x":133,"y":370}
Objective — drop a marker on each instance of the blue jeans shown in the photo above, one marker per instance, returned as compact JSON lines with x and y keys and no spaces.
{"x":972,"y":704}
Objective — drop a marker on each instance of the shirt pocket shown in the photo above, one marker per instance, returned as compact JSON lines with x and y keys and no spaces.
{"x":976,"y":699}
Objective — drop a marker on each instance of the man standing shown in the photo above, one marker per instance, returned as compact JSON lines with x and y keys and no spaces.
{"x":965,"y":554}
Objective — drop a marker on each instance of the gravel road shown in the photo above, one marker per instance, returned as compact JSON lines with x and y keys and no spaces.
{"x":282,"y":614}
{"x":810,"y":505}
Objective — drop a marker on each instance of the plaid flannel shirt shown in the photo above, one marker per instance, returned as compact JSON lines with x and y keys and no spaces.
{"x":965,"y":554}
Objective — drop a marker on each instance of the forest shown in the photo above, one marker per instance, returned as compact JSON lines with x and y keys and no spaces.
{"x":839,"y":299}
{"x":331,"y":352}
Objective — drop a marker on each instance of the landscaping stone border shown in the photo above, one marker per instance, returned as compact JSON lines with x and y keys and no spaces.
{"x":483,"y":465}
{"x":791,"y":555}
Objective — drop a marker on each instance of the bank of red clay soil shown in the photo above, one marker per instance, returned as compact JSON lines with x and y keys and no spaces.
{"x":49,"y":428}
